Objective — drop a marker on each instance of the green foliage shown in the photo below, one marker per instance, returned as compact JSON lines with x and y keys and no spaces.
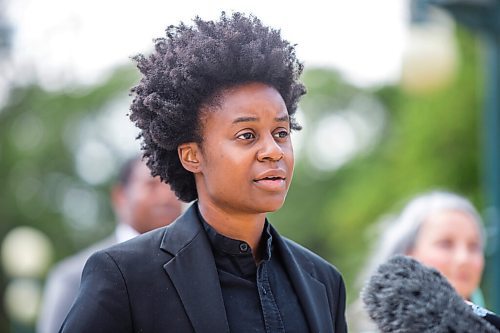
{"x":38,"y":132}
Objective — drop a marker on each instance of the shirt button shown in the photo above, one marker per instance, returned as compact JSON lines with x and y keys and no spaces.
{"x":243,"y":247}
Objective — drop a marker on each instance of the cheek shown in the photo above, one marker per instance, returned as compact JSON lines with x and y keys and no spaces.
{"x":440,"y":263}
{"x":139,"y":208}
{"x":223,"y":177}
{"x":289,"y":157}
{"x":477,"y":264}
{"x":433,"y":257}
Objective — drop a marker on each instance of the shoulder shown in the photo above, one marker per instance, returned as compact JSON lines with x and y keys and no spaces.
{"x":304,"y":254}
{"x":144,"y":242}
{"x":71,"y":267}
{"x":311,"y":262}
{"x":133,"y":251}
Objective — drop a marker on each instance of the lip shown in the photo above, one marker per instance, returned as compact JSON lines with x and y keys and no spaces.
{"x":272,"y":180}
{"x":271,"y":173}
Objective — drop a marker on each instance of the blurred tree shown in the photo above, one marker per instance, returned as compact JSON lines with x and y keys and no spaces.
{"x":46,"y":139}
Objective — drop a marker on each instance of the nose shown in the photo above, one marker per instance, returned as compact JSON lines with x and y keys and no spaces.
{"x":269,"y":150}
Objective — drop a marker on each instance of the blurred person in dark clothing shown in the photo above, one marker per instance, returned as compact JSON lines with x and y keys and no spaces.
{"x":141,"y":203}
{"x":216,"y":106}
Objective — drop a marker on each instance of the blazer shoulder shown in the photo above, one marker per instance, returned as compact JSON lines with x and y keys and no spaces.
{"x":71,"y":267}
{"x":102,"y":304}
{"x":136,"y":249}
{"x":303,"y":255}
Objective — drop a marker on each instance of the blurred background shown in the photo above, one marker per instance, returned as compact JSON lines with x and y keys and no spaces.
{"x":403,"y":96}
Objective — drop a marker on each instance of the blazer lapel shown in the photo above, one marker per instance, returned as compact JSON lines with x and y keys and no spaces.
{"x":310,"y":292}
{"x":194,"y":274}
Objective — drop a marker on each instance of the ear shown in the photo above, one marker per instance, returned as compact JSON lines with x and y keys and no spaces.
{"x":189,"y":154}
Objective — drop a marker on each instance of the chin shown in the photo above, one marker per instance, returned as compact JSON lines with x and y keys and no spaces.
{"x":272,"y":205}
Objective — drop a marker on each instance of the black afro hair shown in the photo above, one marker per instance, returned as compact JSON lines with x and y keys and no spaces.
{"x":187,"y":70}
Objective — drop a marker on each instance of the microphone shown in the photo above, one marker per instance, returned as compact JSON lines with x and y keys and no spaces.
{"x":407,"y":297}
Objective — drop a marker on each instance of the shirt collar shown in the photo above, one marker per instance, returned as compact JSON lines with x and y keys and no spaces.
{"x":236,"y":247}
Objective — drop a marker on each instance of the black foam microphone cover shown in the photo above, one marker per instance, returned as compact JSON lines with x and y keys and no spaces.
{"x":407,"y":297}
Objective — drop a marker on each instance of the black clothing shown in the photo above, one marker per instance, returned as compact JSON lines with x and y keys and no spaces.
{"x":166,"y":281}
{"x":257,"y":298}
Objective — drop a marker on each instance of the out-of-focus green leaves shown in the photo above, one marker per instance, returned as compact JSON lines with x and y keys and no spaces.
{"x":38,"y":131}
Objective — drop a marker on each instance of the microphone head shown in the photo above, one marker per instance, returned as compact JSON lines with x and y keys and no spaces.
{"x":406,"y":296}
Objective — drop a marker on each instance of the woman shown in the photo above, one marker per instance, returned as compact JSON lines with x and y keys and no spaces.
{"x":215,"y":106}
{"x":442,"y":230}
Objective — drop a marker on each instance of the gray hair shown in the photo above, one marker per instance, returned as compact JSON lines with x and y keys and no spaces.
{"x":400,"y":235}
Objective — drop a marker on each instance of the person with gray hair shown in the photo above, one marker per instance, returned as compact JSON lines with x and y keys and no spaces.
{"x":440,"y":229}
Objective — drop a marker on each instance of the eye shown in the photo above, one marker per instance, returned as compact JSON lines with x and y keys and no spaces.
{"x":246,"y":136}
{"x":281,"y":134}
{"x":445,"y":243}
{"x":474,"y":247}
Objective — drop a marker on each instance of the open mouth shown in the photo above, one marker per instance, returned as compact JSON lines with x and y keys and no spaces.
{"x":270,"y":178}
{"x":271,"y":183}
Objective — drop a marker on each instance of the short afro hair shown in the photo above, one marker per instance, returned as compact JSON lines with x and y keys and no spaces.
{"x":188,"y":69}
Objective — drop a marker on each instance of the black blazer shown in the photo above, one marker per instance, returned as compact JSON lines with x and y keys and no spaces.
{"x":166,"y":281}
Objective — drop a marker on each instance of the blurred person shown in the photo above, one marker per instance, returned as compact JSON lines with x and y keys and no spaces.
{"x":216,"y":105}
{"x":440,"y":229}
{"x":141,"y":203}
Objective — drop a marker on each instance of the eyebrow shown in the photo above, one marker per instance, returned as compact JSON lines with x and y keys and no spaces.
{"x":251,"y":119}
{"x":283,"y":118}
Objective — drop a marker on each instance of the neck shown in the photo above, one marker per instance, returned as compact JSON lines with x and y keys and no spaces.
{"x":245,"y":227}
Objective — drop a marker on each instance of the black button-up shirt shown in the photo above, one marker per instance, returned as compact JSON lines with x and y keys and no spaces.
{"x":257,"y":298}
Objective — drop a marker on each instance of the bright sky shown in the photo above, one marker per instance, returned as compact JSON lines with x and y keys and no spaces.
{"x":81,"y":40}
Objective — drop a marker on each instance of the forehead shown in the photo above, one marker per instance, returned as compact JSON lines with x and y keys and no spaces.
{"x":452,"y":222}
{"x":253,"y":97}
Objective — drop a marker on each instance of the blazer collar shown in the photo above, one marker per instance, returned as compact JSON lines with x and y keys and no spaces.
{"x":193,"y":272}
{"x":310,"y":292}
